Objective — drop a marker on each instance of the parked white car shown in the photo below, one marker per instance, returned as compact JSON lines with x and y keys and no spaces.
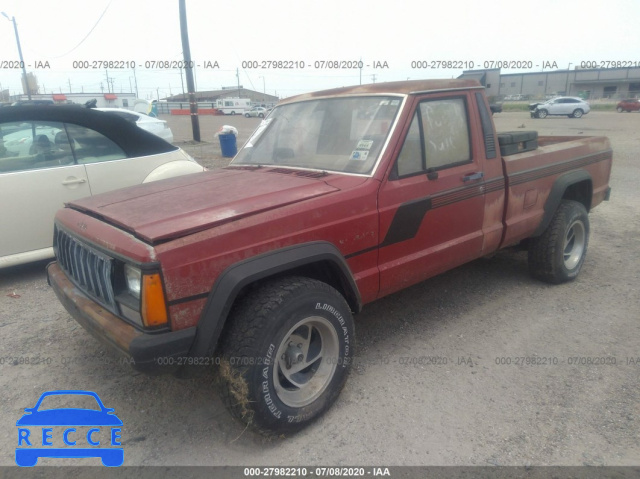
{"x":55,"y":154}
{"x":154,"y":125}
{"x":257,"y":111}
{"x":564,"y":105}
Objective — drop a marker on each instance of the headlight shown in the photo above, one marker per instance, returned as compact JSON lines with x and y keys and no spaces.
{"x":133,"y":276}
{"x":143,"y":302}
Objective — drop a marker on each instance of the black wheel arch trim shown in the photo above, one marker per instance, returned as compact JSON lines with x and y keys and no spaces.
{"x":237,"y":276}
{"x":557,"y":192}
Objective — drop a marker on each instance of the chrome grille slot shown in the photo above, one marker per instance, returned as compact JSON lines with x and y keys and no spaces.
{"x":89,"y":269}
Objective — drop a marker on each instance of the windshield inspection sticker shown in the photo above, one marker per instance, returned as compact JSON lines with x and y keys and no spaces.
{"x":263,"y":125}
{"x":69,"y":432}
{"x":364,"y":145}
{"x":359,"y":155}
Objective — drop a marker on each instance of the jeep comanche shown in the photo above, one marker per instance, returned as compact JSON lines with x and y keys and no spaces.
{"x":339,"y":198}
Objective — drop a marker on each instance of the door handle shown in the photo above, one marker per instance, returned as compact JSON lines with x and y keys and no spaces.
{"x":74,"y":181}
{"x":473,"y":176}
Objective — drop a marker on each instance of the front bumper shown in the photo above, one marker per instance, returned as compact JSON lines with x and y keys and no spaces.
{"x":149,"y":353}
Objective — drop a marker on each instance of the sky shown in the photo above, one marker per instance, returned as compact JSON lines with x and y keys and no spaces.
{"x":64,"y":42}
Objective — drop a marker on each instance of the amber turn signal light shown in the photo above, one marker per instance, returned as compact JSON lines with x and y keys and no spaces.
{"x":154,"y":306}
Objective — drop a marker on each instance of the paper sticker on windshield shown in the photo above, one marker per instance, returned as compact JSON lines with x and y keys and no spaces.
{"x":263,"y":125}
{"x":395,"y":102}
{"x":359,"y":155}
{"x":364,"y":145}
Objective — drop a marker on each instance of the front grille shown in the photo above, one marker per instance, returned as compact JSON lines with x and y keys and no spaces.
{"x":89,"y":269}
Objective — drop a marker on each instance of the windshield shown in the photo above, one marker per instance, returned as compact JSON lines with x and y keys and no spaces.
{"x":338,"y":134}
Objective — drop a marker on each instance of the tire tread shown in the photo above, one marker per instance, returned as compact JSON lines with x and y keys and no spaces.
{"x":242,"y":335}
{"x":544,"y":249}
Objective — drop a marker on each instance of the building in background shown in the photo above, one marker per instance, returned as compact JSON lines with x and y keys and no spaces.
{"x":592,"y":83}
{"x":256,"y":97}
{"x":104,"y":100}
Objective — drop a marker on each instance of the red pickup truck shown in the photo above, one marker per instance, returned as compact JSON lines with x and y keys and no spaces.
{"x":338,"y":198}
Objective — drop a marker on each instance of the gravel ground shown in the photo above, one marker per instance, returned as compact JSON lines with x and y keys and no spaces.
{"x":432,"y":385}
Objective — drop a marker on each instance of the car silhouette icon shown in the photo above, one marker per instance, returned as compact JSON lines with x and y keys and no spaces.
{"x":71,"y":418}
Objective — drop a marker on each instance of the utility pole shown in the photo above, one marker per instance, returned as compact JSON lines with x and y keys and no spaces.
{"x":238,"y":77}
{"x":101,"y":87}
{"x":24,"y":70}
{"x":193,"y":105}
{"x":69,"y":80}
{"x":373,"y":77}
{"x":361,"y":65}
{"x":182,"y":82}
{"x":130,"y":89}
{"x":264,"y":88}
{"x":107,"y":75}
{"x":135,"y":78}
{"x":566,"y":87}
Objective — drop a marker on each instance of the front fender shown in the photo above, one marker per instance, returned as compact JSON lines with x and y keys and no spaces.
{"x":236,"y":276}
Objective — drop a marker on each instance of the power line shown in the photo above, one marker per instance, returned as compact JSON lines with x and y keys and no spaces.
{"x":90,"y":31}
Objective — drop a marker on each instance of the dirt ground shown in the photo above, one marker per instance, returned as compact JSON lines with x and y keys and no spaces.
{"x":437,"y":381}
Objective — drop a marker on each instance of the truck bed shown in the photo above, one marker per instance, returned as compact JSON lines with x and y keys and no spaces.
{"x":530,"y":177}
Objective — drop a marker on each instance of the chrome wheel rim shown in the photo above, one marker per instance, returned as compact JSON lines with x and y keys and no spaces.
{"x":542,"y":114}
{"x":574,"y":243}
{"x":306,"y":361}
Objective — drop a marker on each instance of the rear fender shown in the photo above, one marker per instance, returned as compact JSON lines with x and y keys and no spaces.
{"x":558,"y":190}
{"x":172,"y":169}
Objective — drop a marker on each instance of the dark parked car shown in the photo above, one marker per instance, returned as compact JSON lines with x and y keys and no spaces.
{"x":496,"y":107}
{"x":632,"y":104}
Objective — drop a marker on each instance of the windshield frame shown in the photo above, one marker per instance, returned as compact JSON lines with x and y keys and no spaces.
{"x":403,"y":101}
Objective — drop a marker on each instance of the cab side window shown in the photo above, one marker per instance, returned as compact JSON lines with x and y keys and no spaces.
{"x":438,"y":138}
{"x":446,"y":133}
{"x":92,"y":147}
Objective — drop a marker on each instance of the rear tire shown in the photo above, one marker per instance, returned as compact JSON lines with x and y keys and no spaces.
{"x":558,"y":254}
{"x":286,"y":354}
{"x":578,"y":113}
{"x":620,"y":110}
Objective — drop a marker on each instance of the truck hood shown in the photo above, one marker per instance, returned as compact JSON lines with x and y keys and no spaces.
{"x":168,"y":209}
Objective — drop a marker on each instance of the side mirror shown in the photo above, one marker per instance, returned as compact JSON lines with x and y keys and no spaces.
{"x":432,"y":174}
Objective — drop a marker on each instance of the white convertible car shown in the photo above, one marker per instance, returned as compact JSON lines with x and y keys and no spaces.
{"x":50,"y":155}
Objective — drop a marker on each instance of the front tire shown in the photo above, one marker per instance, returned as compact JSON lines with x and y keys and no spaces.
{"x":247,"y":115}
{"x":558,"y":254}
{"x":286,"y":354}
{"x":542,"y":113}
{"x":577,"y":113}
